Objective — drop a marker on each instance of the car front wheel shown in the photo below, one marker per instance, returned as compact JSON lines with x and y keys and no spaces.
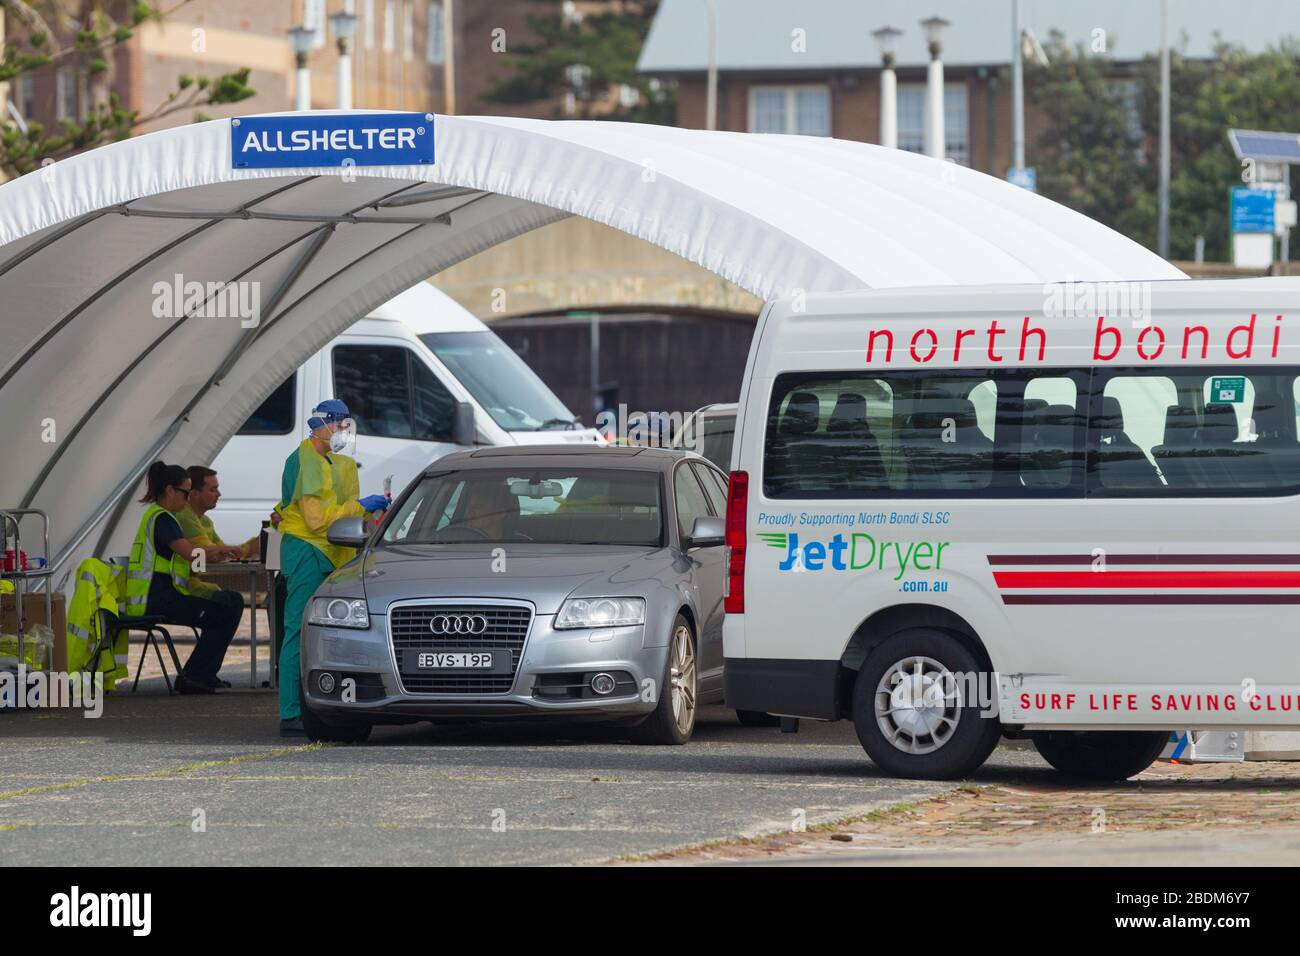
{"x":673,"y":719}
{"x":320,"y":731}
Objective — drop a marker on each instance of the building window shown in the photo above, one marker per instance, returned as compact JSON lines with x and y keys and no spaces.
{"x":65,"y":93}
{"x":390,"y":25}
{"x":433,"y":50}
{"x":313,"y":18}
{"x":369,"y":25}
{"x":26,"y":96}
{"x":790,"y":109}
{"x":408,"y":30}
{"x":956,"y":120}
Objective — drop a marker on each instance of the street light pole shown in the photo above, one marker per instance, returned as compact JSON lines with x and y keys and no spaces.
{"x":344,"y":25}
{"x":886,"y":39}
{"x":711,"y":84}
{"x":1017,"y":90}
{"x":302,"y":38}
{"x":934,"y":144}
{"x":1162,"y":224}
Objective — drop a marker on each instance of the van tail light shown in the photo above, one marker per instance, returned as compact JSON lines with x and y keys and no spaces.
{"x":733,"y":601}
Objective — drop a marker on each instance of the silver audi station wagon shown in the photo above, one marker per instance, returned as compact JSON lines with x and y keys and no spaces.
{"x":508,"y":582}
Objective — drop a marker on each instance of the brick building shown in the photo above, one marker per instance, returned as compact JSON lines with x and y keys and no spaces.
{"x":404,"y":54}
{"x":813,"y":67}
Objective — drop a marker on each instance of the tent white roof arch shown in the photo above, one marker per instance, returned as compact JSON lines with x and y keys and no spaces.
{"x":94,"y":384}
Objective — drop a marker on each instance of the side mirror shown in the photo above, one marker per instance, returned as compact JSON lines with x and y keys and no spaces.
{"x":463,"y":431}
{"x":348,"y":532}
{"x":706,"y":533}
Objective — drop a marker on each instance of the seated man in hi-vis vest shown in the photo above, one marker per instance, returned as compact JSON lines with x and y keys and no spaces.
{"x":158,"y":579}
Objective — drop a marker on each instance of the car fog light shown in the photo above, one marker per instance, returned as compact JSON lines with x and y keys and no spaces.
{"x":326,"y":683}
{"x":603,"y":684}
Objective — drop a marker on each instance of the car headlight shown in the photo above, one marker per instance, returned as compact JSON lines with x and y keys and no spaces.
{"x":601,"y":612}
{"x":339,"y":612}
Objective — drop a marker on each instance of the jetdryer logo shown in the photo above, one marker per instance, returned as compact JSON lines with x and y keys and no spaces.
{"x":857,"y":551}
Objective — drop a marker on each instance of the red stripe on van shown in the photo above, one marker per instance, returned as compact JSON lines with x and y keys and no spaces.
{"x":1023,"y":559}
{"x":1147,"y":579}
{"x":1167,"y":598}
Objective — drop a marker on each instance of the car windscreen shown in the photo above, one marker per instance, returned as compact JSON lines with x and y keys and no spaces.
{"x":500,"y":381}
{"x":543,"y":506}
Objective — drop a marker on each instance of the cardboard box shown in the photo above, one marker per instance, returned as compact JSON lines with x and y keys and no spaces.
{"x":34,"y":613}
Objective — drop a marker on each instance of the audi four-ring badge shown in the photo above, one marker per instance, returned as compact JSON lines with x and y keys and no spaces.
{"x":458,"y":624}
{"x":549,"y":582}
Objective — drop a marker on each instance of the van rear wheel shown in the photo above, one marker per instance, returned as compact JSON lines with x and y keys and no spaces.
{"x":1100,"y":755}
{"x":911,"y":712}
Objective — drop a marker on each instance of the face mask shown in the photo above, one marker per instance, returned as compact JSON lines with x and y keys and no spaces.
{"x":344,"y":439}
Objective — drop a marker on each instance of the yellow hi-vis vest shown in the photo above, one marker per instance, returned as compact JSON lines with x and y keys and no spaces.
{"x":145,"y":561}
{"x":99,"y":588}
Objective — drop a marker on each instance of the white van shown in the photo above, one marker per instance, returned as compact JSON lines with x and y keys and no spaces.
{"x":1066,"y":512}
{"x":422,"y":377}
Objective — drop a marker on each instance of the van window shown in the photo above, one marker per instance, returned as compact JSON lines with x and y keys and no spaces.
{"x":391,"y":393}
{"x":1049,"y":432}
{"x":278,"y":414}
{"x":1205,"y":432}
{"x":906,"y":434}
{"x":862,"y":436}
{"x":434,"y":408}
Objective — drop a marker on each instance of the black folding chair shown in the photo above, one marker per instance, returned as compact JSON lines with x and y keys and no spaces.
{"x":151,"y":625}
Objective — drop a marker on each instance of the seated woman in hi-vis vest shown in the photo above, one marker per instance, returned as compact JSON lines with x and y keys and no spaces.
{"x":158,"y":580}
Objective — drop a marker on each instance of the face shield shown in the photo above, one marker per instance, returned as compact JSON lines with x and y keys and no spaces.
{"x":343,"y":440}
{"x":330,"y":419}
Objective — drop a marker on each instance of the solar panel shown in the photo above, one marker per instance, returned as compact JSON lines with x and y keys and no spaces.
{"x":1267,"y":146}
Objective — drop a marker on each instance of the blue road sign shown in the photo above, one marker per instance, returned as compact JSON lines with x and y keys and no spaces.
{"x":1026,"y":178}
{"x":347,"y":139}
{"x":1252,"y":209}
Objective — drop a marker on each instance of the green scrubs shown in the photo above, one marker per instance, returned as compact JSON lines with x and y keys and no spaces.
{"x":305,"y":569}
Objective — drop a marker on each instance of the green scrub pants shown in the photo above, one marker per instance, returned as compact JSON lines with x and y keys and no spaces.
{"x":305,"y":568}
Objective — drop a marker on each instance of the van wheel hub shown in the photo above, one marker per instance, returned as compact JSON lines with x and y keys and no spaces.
{"x":918,"y":705}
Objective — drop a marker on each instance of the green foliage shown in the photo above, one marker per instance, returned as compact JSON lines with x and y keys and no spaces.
{"x":24,"y":151}
{"x":607,"y":43}
{"x":1100,"y":151}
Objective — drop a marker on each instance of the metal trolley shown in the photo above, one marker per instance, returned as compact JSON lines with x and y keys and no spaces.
{"x":11,"y":536}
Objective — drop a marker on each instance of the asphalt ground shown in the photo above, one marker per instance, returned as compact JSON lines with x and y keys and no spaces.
{"x":208,"y":781}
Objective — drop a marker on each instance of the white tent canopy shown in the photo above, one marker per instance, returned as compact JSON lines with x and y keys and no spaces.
{"x":94,"y":384}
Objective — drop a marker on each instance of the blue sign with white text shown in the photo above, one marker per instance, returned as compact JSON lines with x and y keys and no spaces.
{"x":1252,"y":209}
{"x":351,"y":139}
{"x":1026,"y":178}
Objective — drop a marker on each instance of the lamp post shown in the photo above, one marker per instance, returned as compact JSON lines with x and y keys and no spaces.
{"x":344,"y":25}
{"x":887,"y":41}
{"x":933,"y":28}
{"x":1017,"y":90}
{"x":711,"y":74}
{"x":302,"y":38}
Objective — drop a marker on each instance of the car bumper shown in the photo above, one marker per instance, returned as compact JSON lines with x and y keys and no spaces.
{"x":550,"y":659}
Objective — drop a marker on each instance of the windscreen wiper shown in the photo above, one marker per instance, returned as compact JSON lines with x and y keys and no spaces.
{"x":568,"y":423}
